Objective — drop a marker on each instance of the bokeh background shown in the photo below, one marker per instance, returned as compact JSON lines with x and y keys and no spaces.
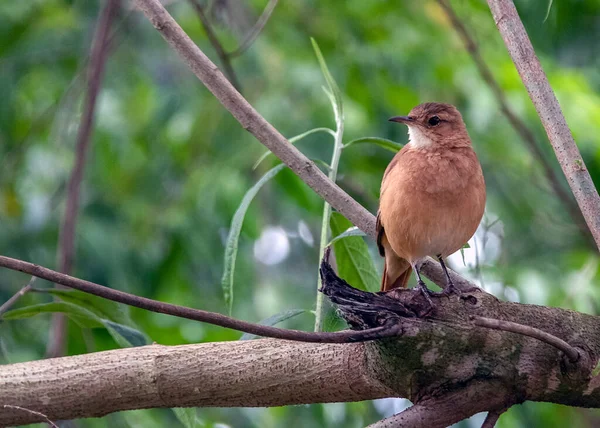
{"x":168,"y":166}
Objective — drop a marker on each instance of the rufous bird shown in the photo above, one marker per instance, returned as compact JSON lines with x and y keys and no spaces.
{"x":432,"y":195}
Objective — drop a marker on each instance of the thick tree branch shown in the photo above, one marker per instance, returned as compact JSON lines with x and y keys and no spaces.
{"x":528,"y":65}
{"x":248,"y":373}
{"x":519,"y":126}
{"x":447,"y":367}
{"x":66,"y":244}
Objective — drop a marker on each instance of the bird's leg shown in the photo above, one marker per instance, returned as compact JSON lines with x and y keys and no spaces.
{"x":422,"y":286}
{"x":450,"y":288}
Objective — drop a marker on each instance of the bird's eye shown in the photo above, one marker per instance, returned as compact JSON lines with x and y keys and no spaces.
{"x":434,"y":121}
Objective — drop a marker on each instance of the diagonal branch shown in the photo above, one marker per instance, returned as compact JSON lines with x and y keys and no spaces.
{"x":24,"y":290}
{"x":253,"y":122}
{"x":528,"y":65}
{"x":519,"y":126}
{"x":66,"y":245}
{"x":448,"y":409}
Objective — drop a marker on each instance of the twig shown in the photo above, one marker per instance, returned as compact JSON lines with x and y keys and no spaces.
{"x":214,"y":41}
{"x":25,"y":289}
{"x":491,"y":418}
{"x":66,"y":245}
{"x":528,"y":65}
{"x":33,"y":412}
{"x":519,"y":126}
{"x":526,"y":330}
{"x":255,"y":31}
{"x":389,"y":329}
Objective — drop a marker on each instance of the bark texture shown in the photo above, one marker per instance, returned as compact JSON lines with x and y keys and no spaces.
{"x":445,"y":364}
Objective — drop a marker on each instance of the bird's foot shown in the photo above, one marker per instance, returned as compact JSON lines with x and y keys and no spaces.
{"x":427,"y":293}
{"x":451,"y":289}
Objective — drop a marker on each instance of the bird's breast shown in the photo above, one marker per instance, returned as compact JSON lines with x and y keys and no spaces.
{"x":432,"y":202}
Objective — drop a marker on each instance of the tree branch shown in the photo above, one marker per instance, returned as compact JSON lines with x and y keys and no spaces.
{"x":528,"y":65}
{"x":519,"y":126}
{"x":447,"y":367}
{"x":255,"y":31}
{"x":66,"y":244}
{"x":491,"y":418}
{"x":448,"y":409}
{"x":570,"y":351}
{"x":25,"y":289}
{"x":243,"y":373}
{"x":214,"y":41}
{"x":387,"y":329}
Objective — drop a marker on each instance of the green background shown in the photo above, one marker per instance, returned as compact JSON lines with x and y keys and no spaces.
{"x":169,"y":166}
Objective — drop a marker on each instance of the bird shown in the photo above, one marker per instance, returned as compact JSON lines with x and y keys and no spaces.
{"x":432,"y":196}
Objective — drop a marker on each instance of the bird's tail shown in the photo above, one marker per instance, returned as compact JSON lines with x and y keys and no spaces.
{"x":396,"y":273}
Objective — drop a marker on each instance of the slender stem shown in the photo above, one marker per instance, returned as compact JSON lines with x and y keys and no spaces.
{"x":525,"y":330}
{"x":528,"y":65}
{"x":66,"y":245}
{"x":387,"y":330}
{"x":25,"y":289}
{"x":255,"y":31}
{"x":214,"y":41}
{"x":33,"y":412}
{"x":335,"y":161}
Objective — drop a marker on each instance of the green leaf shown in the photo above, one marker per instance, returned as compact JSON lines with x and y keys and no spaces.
{"x":352,"y":231}
{"x":334,"y":91}
{"x":352,"y":255}
{"x":274,"y":320}
{"x":292,"y":141}
{"x":125,"y":336}
{"x":79,"y":315}
{"x":548,"y":11}
{"x":231,"y":246}
{"x":188,"y":416}
{"x":381,"y":142}
{"x":103,"y":308}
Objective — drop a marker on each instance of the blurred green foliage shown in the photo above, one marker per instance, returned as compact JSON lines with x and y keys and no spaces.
{"x":169,"y":167}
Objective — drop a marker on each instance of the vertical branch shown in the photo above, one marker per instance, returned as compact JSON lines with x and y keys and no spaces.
{"x":335,"y":161}
{"x":214,"y":41}
{"x":528,"y":65}
{"x":519,"y":126}
{"x":66,"y":245}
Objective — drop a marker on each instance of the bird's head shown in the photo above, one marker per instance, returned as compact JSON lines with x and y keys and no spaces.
{"x":434,"y":125}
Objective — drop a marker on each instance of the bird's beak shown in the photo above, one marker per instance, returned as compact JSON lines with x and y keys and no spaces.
{"x":402,"y":119}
